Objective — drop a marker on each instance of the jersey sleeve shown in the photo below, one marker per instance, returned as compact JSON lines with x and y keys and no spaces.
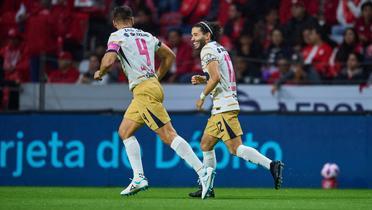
{"x":157,"y":43}
{"x":113,"y":44}
{"x":208,"y":55}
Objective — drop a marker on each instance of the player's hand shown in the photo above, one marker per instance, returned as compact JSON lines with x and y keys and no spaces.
{"x":199,"y":104}
{"x":97,"y":75}
{"x":198,"y":79}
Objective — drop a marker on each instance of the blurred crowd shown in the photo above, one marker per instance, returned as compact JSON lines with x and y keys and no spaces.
{"x":270,"y":41}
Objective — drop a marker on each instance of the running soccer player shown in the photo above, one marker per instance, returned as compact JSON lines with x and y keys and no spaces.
{"x":223,"y":123}
{"x":136,"y":49}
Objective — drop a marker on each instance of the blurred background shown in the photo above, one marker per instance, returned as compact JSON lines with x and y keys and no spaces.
{"x":304,"y":70}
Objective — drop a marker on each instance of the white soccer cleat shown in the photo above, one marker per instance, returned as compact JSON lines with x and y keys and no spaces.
{"x":137,"y":184}
{"x":207,"y":181}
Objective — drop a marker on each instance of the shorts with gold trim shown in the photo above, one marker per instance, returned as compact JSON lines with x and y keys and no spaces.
{"x":224,"y":125}
{"x":147,"y":105}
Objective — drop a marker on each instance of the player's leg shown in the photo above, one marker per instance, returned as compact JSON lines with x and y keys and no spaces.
{"x":128,"y":126}
{"x":170,"y":137}
{"x":126,"y":131}
{"x":207,"y":146}
{"x":183,"y":149}
{"x":231,"y":135}
{"x":149,"y":97}
{"x":250,"y":154}
{"x":209,"y":160}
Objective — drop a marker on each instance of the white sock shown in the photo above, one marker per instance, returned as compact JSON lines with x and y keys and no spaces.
{"x":133,"y":150}
{"x":252,"y":155}
{"x":209,"y":159}
{"x":183,"y":149}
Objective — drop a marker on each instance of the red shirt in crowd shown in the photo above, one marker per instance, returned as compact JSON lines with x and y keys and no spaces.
{"x":285,"y":7}
{"x":319,"y":56}
{"x":364,"y":30}
{"x":69,"y":75}
{"x":41,"y":32}
{"x":184,"y":59}
{"x":15,"y":63}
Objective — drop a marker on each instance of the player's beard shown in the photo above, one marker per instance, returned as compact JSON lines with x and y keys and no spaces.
{"x":202,"y":43}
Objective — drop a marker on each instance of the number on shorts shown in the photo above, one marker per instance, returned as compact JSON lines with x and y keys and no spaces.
{"x":219,"y":126}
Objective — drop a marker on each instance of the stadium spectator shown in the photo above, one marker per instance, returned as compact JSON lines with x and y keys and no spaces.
{"x":63,"y":26}
{"x":8,"y":10}
{"x":182,"y":69}
{"x":144,"y":21}
{"x":364,"y":24}
{"x":15,"y":60}
{"x":348,"y":11}
{"x":299,"y":21}
{"x":289,"y":73}
{"x":283,"y":67}
{"x":242,"y":72}
{"x":317,"y":56}
{"x":13,"y":70}
{"x":352,"y":73}
{"x":327,"y":10}
{"x":40,"y":35}
{"x":66,"y":73}
{"x":349,"y":45}
{"x":195,"y":11}
{"x":276,"y":49}
{"x":311,"y":7}
{"x":245,"y":74}
{"x":263,"y":29}
{"x":251,"y":52}
{"x":88,"y":77}
{"x":236,"y":23}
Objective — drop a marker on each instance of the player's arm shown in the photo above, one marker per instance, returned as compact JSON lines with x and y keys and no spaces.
{"x":108,"y":60}
{"x":214,"y":79}
{"x":167,"y":58}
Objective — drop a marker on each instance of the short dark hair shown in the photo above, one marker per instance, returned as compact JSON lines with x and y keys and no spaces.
{"x":122,"y":13}
{"x":366,"y":4}
{"x":210,"y":27}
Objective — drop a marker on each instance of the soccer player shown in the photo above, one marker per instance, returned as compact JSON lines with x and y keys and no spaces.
{"x":223,"y":124}
{"x":135,"y":49}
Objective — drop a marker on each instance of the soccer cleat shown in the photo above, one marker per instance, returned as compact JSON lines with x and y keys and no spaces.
{"x":138,"y":184}
{"x":198,"y":193}
{"x":207,"y":181}
{"x":276,"y":169}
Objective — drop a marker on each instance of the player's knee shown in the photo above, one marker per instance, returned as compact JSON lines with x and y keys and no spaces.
{"x":205,"y":146}
{"x":232,"y":151}
{"x":167,"y":135}
{"x":124,"y":133}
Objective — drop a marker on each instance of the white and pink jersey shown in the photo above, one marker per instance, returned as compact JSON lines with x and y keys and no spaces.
{"x":224,"y":95}
{"x":136,"y":51}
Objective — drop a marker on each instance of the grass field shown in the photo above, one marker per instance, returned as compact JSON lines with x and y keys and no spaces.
{"x":176,"y":198}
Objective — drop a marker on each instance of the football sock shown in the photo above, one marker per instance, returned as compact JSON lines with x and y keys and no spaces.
{"x":252,"y":155}
{"x":133,"y":150}
{"x":209,"y":159}
{"x":183,"y":149}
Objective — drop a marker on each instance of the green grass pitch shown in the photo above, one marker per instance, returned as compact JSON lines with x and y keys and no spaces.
{"x":176,"y":198}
